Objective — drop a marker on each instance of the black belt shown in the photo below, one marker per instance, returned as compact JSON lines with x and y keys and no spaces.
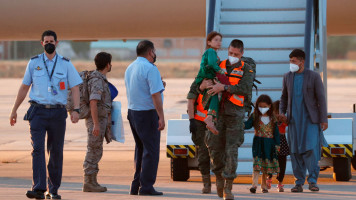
{"x":48,"y":106}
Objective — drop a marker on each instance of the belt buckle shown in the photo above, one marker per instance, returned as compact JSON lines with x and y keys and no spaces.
{"x":47,"y":106}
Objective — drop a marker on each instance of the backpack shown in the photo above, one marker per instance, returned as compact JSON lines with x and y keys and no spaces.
{"x":84,"y":96}
{"x":248,"y":99}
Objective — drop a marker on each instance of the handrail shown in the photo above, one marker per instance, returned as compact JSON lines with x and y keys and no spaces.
{"x":211,"y":16}
{"x":308,"y":36}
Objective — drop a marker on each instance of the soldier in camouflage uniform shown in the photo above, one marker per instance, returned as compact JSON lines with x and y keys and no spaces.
{"x":99,"y":121}
{"x":223,"y":147}
{"x":198,"y":129}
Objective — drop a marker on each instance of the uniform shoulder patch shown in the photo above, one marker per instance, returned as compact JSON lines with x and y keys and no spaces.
{"x":34,"y":57}
{"x":66,"y":59}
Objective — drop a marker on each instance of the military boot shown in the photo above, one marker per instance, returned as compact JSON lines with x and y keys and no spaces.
{"x":207,"y":184}
{"x":95,"y":175}
{"x":90,"y":185}
{"x":220,"y":185}
{"x":227,"y":189}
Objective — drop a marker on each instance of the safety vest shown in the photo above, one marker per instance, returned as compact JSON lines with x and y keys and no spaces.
{"x":234,"y":79}
{"x":201,"y":114}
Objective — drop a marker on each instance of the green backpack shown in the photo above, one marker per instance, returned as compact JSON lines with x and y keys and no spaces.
{"x":84,"y":96}
{"x":248,"y":99}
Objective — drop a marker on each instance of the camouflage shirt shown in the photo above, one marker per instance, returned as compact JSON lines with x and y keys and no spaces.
{"x":193,"y":93}
{"x":98,"y":89}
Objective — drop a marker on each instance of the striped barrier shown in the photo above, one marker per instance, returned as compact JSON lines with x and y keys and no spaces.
{"x":181,"y":151}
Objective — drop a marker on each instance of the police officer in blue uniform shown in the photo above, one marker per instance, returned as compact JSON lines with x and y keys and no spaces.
{"x":50,"y":75}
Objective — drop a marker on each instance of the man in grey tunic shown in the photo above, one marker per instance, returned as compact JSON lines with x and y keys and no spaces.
{"x":303,"y":98}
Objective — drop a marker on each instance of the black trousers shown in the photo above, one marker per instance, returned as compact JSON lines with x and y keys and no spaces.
{"x":282,"y":160}
{"x":144,"y":127}
{"x":52,"y":121}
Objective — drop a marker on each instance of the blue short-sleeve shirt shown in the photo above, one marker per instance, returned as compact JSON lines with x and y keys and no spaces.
{"x":142,"y":79}
{"x":64,"y":77}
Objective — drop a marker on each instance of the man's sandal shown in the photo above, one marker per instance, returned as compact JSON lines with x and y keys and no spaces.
{"x":313,"y":187}
{"x":297,"y":188}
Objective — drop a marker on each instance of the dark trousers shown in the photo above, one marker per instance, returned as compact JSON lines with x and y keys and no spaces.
{"x":52,"y":121}
{"x":282,"y":160}
{"x":144,"y":126}
{"x":203,"y":153}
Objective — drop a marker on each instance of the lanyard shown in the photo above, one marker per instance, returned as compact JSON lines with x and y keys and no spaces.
{"x":54,"y":66}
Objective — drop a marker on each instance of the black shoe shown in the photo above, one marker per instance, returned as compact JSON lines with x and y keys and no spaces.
{"x":297,"y":188}
{"x":264,"y":191}
{"x":313,"y":187}
{"x":53,"y":196}
{"x":134,"y":190}
{"x":253,"y":189}
{"x":133,"y":193}
{"x":35,"y":194}
{"x":154,"y":192}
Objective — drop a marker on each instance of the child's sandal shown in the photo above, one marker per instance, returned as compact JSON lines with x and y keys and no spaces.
{"x":264,"y":191}
{"x":280,"y":188}
{"x":269,"y":183}
{"x":253,"y":189}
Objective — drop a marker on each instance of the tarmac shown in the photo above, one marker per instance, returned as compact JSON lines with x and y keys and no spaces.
{"x":117,"y":167}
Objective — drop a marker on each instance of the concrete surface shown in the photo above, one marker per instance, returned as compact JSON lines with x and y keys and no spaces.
{"x":116,"y":166}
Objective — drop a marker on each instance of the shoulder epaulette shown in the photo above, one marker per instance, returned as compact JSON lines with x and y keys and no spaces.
{"x":34,"y":57}
{"x":66,"y":59}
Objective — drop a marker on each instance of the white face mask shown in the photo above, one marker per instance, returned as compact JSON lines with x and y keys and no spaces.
{"x":263,"y":110}
{"x":293,"y":67}
{"x":233,"y":60}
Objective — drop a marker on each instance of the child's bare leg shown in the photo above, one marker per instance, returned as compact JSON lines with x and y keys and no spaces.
{"x":210,"y":124}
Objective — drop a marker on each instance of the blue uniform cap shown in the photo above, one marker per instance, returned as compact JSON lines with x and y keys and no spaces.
{"x":113,"y":91}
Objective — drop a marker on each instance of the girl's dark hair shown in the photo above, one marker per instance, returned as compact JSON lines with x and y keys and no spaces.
{"x":210,"y":37}
{"x":276,"y":106}
{"x":265,"y":99}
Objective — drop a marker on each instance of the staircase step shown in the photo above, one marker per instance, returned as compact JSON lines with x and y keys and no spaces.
{"x":275,"y":95}
{"x":262,"y":22}
{"x":263,"y":4}
{"x":262,"y":56}
{"x":262,"y":16}
{"x":271,"y":69}
{"x":263,"y":29}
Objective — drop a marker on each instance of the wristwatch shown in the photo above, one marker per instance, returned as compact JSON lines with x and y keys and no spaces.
{"x":226,"y":87}
{"x":77,"y":110}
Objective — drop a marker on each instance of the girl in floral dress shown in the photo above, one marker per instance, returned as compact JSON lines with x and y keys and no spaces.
{"x":265,"y":142}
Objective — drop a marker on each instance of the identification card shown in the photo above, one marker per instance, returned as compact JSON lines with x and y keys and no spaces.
{"x":49,"y":89}
{"x":62,"y":85}
{"x":54,"y":92}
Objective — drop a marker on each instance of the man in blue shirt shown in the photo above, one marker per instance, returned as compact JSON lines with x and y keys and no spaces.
{"x":49,"y":75}
{"x":144,"y":87}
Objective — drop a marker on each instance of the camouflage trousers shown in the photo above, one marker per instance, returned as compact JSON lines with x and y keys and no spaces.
{"x":94,"y":146}
{"x":223,"y":148}
{"x":203,"y":154}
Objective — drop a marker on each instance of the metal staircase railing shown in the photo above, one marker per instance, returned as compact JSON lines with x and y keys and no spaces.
{"x":315,"y":38}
